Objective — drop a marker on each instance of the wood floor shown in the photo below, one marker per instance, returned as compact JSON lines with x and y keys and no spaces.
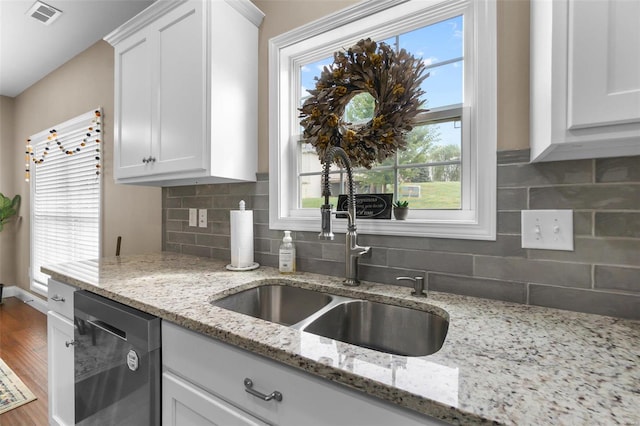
{"x":23,"y":347}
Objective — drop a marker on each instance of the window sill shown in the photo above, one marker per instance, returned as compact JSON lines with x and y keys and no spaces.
{"x":469,"y":229}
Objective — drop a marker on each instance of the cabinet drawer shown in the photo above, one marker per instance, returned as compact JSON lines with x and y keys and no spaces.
{"x":185,"y":404}
{"x":221,"y":369}
{"x":60,"y":298}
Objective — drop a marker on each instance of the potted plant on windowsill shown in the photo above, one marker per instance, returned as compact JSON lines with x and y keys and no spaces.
{"x":400,"y":210}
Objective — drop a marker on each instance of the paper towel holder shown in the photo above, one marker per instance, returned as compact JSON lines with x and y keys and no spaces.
{"x":251,"y":266}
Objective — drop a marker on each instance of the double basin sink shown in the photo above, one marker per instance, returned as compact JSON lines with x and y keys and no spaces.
{"x":386,"y":328}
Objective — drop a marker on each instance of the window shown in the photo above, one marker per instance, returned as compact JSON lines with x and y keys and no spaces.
{"x":448,"y":170}
{"x":65,"y":195}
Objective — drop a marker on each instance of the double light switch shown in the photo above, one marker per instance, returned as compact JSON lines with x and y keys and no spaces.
{"x":547,"y":229}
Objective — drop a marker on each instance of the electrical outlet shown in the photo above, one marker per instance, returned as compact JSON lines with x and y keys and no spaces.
{"x":202,"y":218}
{"x":193,"y":217}
{"x":547,"y":229}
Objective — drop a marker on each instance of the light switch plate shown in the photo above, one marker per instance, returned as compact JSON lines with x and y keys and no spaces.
{"x":547,"y":229}
{"x":193,"y":217}
{"x":202,"y":218}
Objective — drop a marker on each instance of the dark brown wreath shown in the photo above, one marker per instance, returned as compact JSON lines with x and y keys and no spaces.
{"x":392,"y":79}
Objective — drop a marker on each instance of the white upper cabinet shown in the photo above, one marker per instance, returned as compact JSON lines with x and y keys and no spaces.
{"x":585,"y":79}
{"x":186,"y":85}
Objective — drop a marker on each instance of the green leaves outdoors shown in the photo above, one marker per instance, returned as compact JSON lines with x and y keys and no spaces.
{"x":8,"y":208}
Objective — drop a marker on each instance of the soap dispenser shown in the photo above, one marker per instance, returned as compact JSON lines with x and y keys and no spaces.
{"x":287,"y":254}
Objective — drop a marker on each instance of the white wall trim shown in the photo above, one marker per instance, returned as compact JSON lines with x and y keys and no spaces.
{"x":26,"y":297}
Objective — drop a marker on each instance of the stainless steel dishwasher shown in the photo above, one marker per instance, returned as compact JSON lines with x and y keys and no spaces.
{"x":117,"y":363}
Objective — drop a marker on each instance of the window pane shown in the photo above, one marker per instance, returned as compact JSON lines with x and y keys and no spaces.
{"x":309,"y":72}
{"x":443,"y":86}
{"x":308,"y":160}
{"x":374,"y":181}
{"x":310,"y":188}
{"x":360,"y":108}
{"x":432,"y":143}
{"x":432,"y":187}
{"x":435,"y":43}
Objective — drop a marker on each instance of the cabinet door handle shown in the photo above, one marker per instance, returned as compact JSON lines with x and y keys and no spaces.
{"x":248,"y":387}
{"x":69,"y":343}
{"x":152,"y":159}
{"x":57,"y":298}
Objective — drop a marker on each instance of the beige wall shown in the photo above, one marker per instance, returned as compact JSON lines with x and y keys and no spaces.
{"x":7,"y":179}
{"x":84,"y":83}
{"x":513,"y":64}
{"x":280,"y":17}
{"x":513,"y":74}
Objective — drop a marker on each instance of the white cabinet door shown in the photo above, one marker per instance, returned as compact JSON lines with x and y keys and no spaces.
{"x":186,"y":405}
{"x":180,"y":142}
{"x":61,"y":374}
{"x":585,"y":79}
{"x":604,"y":67}
{"x":134,"y":106}
{"x":161,"y":97}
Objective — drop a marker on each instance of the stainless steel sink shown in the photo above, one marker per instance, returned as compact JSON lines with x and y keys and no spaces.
{"x":386,"y":328}
{"x":276,"y":303}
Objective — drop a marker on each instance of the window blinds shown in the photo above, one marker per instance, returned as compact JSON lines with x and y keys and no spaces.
{"x":65,"y":193}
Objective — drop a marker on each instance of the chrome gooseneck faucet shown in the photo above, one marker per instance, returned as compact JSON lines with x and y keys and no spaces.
{"x":352,"y":250}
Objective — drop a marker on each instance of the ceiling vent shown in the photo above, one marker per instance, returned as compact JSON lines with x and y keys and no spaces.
{"x":44,"y":13}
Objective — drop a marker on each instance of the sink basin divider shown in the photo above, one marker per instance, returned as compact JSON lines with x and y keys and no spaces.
{"x":335,"y":301}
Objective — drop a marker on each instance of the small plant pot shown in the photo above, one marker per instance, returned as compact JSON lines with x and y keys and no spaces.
{"x":400,"y":213}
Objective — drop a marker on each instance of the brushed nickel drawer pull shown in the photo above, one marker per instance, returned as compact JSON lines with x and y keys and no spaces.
{"x":57,"y":298}
{"x":69,"y":343}
{"x":248,"y":387}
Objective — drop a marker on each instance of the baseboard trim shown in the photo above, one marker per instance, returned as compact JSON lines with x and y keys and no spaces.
{"x":26,"y":297}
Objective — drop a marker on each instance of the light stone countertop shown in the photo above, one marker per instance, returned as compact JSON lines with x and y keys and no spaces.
{"x":501,"y":362}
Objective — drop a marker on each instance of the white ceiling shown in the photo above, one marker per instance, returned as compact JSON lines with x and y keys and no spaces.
{"x":29,"y":50}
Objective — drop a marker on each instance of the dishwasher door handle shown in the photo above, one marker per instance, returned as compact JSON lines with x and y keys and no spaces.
{"x":108,"y":329}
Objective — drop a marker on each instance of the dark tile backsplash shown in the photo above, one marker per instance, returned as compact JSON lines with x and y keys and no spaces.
{"x":601,"y":275}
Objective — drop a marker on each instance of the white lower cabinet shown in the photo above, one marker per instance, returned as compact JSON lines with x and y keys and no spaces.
{"x":204,"y":383}
{"x":60,"y":330}
{"x":61,"y":374}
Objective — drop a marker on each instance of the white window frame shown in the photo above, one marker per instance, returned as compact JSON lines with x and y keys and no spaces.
{"x":379,"y":20}
{"x":75,"y":123}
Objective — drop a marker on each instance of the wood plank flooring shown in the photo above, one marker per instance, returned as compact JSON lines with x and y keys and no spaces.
{"x":23,"y":346}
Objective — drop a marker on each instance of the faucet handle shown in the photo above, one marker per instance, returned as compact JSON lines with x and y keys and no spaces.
{"x":418,"y":285}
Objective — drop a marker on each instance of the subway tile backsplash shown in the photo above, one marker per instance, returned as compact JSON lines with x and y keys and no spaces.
{"x":601,"y":276}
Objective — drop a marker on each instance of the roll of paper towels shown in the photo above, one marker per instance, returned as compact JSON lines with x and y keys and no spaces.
{"x":241,"y":237}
